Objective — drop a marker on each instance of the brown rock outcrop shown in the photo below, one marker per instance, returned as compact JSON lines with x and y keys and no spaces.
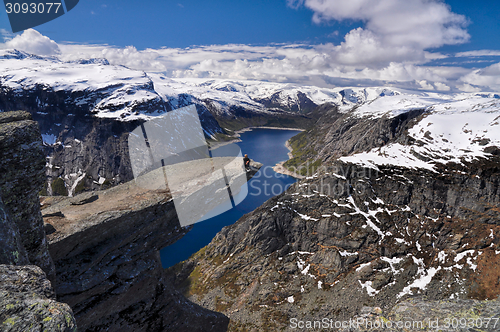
{"x":106,"y":253}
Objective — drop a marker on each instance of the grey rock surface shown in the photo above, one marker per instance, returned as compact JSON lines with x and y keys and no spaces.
{"x":338,"y":134}
{"x":418,"y":314}
{"x":84,"y":198}
{"x":108,"y":266}
{"x":254,"y":168}
{"x":28,"y":303}
{"x":12,"y":251}
{"x":27,"y":299}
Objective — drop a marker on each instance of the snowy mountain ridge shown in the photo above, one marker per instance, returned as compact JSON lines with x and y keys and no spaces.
{"x":454,"y":131}
{"x":116,"y":91}
{"x":455,"y":126}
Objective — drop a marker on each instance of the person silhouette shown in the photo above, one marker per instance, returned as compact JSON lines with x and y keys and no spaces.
{"x":246,"y":162}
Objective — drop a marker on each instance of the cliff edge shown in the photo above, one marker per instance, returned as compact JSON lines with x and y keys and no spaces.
{"x":27,"y":299}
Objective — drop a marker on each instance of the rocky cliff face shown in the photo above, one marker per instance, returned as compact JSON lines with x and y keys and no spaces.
{"x":108,"y":266}
{"x":21,"y":178}
{"x":339,"y":133}
{"x":405,"y":216}
{"x":27,"y":299}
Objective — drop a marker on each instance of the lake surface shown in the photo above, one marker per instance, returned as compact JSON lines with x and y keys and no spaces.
{"x":266,"y":146}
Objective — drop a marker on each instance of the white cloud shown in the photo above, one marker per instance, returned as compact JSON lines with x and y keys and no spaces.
{"x":441,"y":86}
{"x":489,"y":76}
{"x":32,"y":41}
{"x":324,"y":65}
{"x":364,"y":48}
{"x":399,"y":72}
{"x":468,"y":88}
{"x":425,"y":85}
{"x":390,"y":48}
{"x":333,"y":34}
{"x":176,"y":58}
{"x":7,"y":35}
{"x":395,"y":30}
{"x":478,"y":53}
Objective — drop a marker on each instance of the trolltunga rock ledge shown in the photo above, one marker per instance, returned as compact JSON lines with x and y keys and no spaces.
{"x":106,"y":253}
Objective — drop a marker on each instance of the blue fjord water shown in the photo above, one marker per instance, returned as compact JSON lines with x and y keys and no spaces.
{"x":266,"y":146}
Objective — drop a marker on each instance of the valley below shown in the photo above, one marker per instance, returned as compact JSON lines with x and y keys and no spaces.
{"x":388,"y":225}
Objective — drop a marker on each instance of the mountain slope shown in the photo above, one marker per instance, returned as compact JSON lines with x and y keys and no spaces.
{"x":443,"y":129}
{"x":373,"y":227}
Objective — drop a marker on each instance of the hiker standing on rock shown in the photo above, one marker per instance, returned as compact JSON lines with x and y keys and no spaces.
{"x":246,"y":162}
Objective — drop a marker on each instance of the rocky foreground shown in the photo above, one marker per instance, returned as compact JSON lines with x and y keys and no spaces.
{"x":391,"y":224}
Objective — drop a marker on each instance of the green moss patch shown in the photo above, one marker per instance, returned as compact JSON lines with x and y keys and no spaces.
{"x":59,"y":188}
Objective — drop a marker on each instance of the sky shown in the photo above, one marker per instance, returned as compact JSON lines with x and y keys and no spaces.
{"x":432,"y":45}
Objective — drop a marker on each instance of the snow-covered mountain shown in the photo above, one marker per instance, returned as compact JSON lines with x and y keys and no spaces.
{"x":118,"y":92}
{"x":405,"y":128}
{"x":86,"y":108}
{"x":460,"y":129}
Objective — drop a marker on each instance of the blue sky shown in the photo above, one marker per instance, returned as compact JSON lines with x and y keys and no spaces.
{"x":323,"y":42}
{"x":186,"y":23}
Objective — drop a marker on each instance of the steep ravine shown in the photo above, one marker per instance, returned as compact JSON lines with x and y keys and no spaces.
{"x":349,"y":242}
